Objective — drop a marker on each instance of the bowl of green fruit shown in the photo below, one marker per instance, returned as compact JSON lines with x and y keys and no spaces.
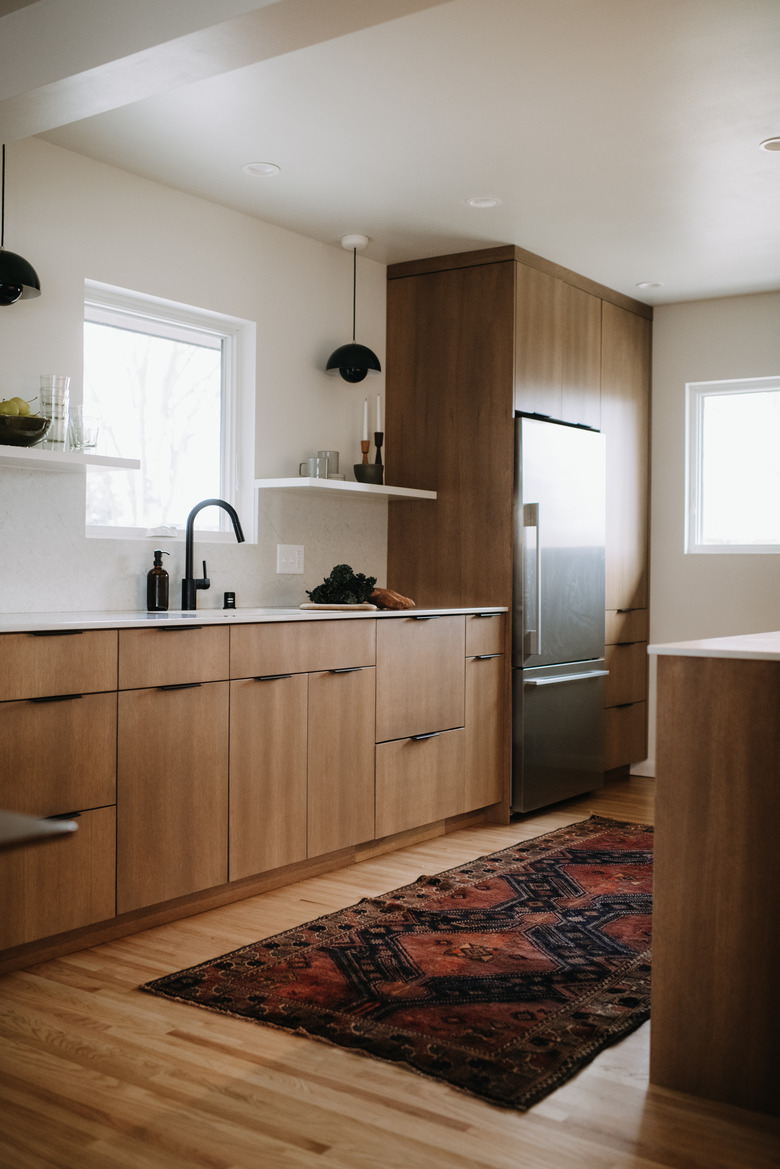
{"x":18,"y":427}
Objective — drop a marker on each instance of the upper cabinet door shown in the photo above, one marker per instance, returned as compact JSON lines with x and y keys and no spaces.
{"x":557,"y":349}
{"x":625,"y":405}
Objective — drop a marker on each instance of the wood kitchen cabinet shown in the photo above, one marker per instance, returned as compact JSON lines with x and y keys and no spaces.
{"x":340,"y":799}
{"x":58,"y":735}
{"x":420,"y":679}
{"x":268,"y":772}
{"x":625,"y":691}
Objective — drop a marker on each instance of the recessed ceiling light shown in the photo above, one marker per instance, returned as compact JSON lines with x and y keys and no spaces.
{"x":650,"y":284}
{"x":261,"y":170}
{"x":483,"y":201}
{"x":770,"y":144}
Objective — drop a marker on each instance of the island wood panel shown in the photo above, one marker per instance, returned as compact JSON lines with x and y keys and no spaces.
{"x":625,"y":415}
{"x":170,"y":655}
{"x":268,"y":762}
{"x":33,"y":665}
{"x":627,"y":679}
{"x":419,"y":781}
{"x":557,"y":349}
{"x":420,"y":676}
{"x":341,"y":759}
{"x":59,"y":756}
{"x":486,"y":779}
{"x":61,"y":883}
{"x":292,"y":647}
{"x":450,"y":374}
{"x":716,"y":960}
{"x":172,"y":793}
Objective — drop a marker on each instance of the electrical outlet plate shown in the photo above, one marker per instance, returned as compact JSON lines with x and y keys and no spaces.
{"x":289,"y":559}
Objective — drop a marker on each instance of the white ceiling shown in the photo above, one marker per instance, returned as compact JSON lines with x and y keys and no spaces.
{"x":622,"y":136}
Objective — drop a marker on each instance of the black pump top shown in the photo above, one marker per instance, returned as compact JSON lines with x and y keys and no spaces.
{"x":158,"y":555}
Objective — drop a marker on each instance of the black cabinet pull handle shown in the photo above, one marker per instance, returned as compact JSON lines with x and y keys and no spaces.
{"x":346,"y":670}
{"x":177,"y":628}
{"x":57,"y":698}
{"x":485,"y":657}
{"x":425,"y":616}
{"x":64,"y":816}
{"x":56,"y":632}
{"x":430,"y":735}
{"x":270,"y":677}
{"x":487,"y":614}
{"x":180,"y":686}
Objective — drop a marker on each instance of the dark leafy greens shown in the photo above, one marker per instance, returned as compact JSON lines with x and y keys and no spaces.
{"x":343,"y":587}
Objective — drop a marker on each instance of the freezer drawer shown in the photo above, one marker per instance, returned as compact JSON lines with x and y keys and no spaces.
{"x":558,"y":733}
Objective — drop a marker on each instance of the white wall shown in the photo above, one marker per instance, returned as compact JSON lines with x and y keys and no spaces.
{"x":73,"y":218}
{"x":704,"y":596}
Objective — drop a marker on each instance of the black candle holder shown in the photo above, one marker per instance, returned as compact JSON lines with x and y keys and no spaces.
{"x":378,"y":440}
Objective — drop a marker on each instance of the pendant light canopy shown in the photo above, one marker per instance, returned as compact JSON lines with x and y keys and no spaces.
{"x":18,"y":278}
{"x":353,"y":361}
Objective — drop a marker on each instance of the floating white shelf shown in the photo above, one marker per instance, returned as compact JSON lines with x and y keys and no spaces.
{"x":40,"y":459}
{"x":334,"y":486}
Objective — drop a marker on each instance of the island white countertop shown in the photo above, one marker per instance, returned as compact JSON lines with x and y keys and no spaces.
{"x":124,"y":619}
{"x":762,"y":646}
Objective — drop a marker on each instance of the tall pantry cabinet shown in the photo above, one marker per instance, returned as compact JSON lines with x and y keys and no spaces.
{"x":472,"y":338}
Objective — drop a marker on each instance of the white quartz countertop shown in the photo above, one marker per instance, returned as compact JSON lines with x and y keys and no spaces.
{"x":764,"y":646}
{"x":122,"y":619}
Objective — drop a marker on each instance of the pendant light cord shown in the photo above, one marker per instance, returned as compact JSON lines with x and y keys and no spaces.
{"x":354,"y":276}
{"x":2,"y":204}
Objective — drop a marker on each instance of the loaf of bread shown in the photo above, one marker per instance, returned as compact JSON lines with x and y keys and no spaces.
{"x":387,"y":599}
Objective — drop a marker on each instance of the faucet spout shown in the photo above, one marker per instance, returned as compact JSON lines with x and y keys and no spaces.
{"x":190,"y":583}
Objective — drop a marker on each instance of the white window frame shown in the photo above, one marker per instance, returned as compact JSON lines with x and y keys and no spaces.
{"x":695,"y":393}
{"x":108,"y":304}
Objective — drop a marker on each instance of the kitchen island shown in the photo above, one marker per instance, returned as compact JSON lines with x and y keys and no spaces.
{"x":716,"y":957}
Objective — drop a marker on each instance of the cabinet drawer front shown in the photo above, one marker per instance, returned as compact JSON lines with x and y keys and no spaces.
{"x":625,"y":735}
{"x":172,"y":793}
{"x":626,"y":625}
{"x":627,"y":681}
{"x":485,"y":633}
{"x":170,"y":655}
{"x":420,"y":676}
{"x":63,"y":884}
{"x":297,"y":647}
{"x":33,"y":666}
{"x":59,"y":756}
{"x":419,"y":781}
{"x":268,"y":748}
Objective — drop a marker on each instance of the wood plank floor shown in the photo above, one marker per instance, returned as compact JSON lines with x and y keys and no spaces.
{"x":95,"y":1075}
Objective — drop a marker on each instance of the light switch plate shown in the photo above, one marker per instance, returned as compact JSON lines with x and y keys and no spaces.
{"x":289,"y":559}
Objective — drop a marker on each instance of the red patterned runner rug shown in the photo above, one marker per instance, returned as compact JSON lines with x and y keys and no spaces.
{"x":502,"y":977}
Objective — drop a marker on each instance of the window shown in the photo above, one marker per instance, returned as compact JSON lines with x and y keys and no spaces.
{"x":173,"y":386}
{"x":733,"y":466}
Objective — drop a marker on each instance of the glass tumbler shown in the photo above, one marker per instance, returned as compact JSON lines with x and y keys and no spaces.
{"x":55,"y":396}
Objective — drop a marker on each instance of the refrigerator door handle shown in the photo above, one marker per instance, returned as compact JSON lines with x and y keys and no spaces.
{"x":553,"y":681}
{"x":533,"y":637}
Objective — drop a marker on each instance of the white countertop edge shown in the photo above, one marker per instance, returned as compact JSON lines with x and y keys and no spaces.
{"x":759,"y":646}
{"x":34,"y":622}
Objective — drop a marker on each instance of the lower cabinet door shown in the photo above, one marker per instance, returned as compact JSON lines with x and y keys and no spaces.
{"x":59,"y":884}
{"x":342,"y":707}
{"x":419,"y":780}
{"x":625,"y":734}
{"x":172,"y":792}
{"x":268,"y":759}
{"x":487,"y":732}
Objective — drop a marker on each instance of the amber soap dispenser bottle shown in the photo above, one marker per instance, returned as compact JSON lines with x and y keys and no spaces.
{"x":157,"y":585}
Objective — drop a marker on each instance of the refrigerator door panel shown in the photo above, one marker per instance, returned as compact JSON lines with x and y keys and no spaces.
{"x":559,"y":533}
{"x":558,"y":732}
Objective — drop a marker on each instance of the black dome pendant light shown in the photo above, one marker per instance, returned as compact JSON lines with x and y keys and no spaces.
{"x":18,"y":279}
{"x":353,"y":361}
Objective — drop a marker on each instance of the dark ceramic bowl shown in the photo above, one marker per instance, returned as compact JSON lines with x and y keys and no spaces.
{"x":22,"y":431}
{"x":369,"y":472}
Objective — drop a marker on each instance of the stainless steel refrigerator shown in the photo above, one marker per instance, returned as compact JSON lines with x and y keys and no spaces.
{"x":558,"y":613}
